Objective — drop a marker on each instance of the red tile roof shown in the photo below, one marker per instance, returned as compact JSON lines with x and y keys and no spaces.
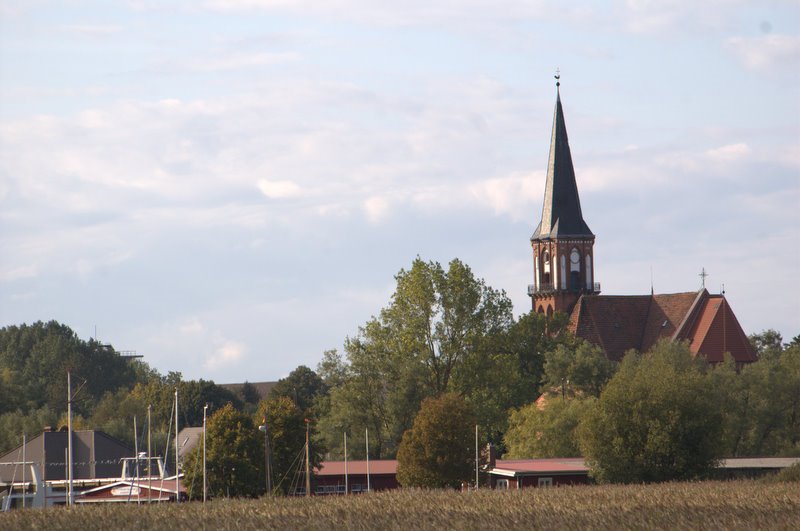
{"x":619,"y":323}
{"x":377,"y":466}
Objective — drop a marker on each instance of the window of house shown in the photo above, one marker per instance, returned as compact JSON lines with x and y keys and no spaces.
{"x":502,"y":484}
{"x":545,"y":482}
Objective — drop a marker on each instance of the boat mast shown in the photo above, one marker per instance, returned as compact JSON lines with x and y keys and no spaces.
{"x":177,"y":479}
{"x":308,"y":463}
{"x":149,"y":459}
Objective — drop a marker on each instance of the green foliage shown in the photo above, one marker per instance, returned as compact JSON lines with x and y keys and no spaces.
{"x":441,"y":332}
{"x":249,"y":394}
{"x":438,"y":449}
{"x":13,"y":424}
{"x":656,"y":420}
{"x":303,"y":386}
{"x":34,"y":360}
{"x":550,"y":431}
{"x":581,"y":368}
{"x":787,"y":475}
{"x":768,"y":344}
{"x":287,"y":437}
{"x":234,"y":457}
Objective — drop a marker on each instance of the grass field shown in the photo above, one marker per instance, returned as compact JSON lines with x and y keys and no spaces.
{"x":701,"y":505}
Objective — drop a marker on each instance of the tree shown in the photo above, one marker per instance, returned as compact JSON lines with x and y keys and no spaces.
{"x":582,"y":368}
{"x":38,"y":357}
{"x":234,"y":457}
{"x":438,"y":449}
{"x":303,"y":386}
{"x":548,"y":431}
{"x":768,"y":344}
{"x":439,"y":334}
{"x":287,"y":437}
{"x":656,"y":420}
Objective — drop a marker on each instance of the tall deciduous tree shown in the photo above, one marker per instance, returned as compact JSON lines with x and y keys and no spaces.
{"x":438,"y":450}
{"x":656,"y":420}
{"x":234,"y":457}
{"x":440,"y":333}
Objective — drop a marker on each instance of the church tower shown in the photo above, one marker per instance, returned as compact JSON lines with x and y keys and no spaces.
{"x":563,"y":245}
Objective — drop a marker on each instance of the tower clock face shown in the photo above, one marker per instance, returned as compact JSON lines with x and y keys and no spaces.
{"x":575,"y":257}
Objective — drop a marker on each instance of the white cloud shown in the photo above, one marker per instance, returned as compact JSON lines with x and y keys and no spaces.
{"x":279,"y":189}
{"x":228,"y":354}
{"x":93,"y":30}
{"x":377,"y":208}
{"x":767,"y":51}
{"x":513,"y":195}
{"x":240,"y":60}
{"x":729,"y":153}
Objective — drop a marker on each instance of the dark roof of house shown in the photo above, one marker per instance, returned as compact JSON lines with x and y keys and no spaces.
{"x":618,"y":323}
{"x":561,"y":210}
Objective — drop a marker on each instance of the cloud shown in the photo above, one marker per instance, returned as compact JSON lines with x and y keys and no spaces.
{"x":376,"y":208}
{"x":512,"y":196}
{"x":228,"y":354}
{"x":729,"y":153}
{"x":240,"y":60}
{"x":279,"y":189}
{"x":93,"y":30}
{"x":767,"y":51}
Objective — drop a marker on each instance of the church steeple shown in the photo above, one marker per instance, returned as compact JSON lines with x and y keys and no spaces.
{"x":563,"y":266}
{"x":561,"y":210}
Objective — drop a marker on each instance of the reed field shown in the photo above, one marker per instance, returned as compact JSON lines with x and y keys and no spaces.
{"x":700,"y":505}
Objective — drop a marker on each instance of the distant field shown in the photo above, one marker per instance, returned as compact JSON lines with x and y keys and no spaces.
{"x":709,"y":505}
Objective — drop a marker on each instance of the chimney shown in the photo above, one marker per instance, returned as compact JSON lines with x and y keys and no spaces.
{"x":492,"y":456}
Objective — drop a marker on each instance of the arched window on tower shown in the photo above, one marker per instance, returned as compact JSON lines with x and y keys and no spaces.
{"x":575,"y":270}
{"x":563,"y":272}
{"x":549,"y":311}
{"x":589,"y":284}
{"x":546,"y":278}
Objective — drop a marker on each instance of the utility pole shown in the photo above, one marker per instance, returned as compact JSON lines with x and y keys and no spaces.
{"x":24,"y":464}
{"x":205,"y":410}
{"x":69,"y":440}
{"x":346,"y":486}
{"x":267,"y":465}
{"x":136,"y":451}
{"x":476,"y":457}
{"x":366,"y":432}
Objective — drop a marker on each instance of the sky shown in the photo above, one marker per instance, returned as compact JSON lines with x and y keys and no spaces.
{"x":229,"y":187}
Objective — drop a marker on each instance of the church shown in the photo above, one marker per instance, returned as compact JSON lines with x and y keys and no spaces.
{"x":564,"y":281}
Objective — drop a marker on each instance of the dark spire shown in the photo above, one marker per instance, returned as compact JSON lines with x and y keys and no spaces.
{"x":561,"y":211}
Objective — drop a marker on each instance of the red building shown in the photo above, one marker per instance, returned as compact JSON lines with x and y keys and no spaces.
{"x":333,"y":476}
{"x":564,"y":281}
{"x":523,"y":473}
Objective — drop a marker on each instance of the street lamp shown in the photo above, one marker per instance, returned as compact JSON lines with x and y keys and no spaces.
{"x":267,"y":468}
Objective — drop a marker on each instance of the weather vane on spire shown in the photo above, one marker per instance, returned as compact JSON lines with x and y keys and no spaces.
{"x":558,"y":77}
